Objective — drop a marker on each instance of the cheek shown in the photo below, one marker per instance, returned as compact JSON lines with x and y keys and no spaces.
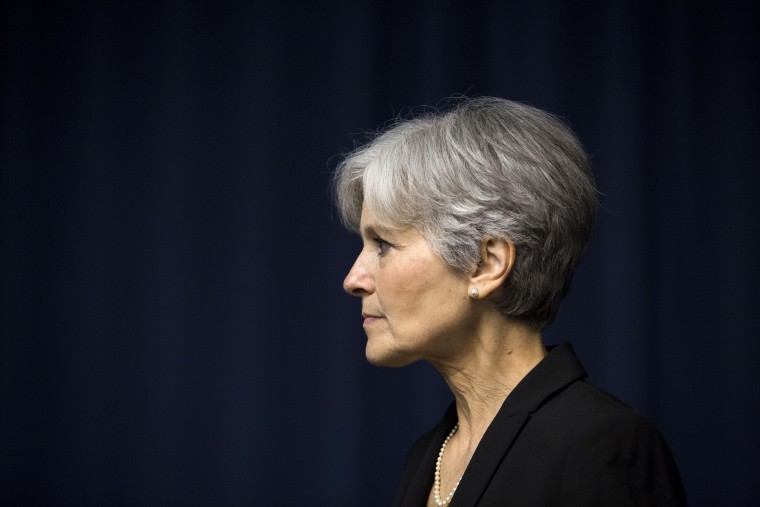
{"x":394,"y":291}
{"x":402,"y":287}
{"x":419,"y":295}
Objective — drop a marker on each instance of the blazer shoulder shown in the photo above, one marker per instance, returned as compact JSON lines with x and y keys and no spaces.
{"x":616,"y":456}
{"x":588,"y":405}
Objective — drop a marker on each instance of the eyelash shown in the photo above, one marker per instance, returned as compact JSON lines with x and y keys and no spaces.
{"x":382,"y":245}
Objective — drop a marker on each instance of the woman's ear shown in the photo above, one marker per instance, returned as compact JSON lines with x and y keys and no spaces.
{"x":497,"y":256}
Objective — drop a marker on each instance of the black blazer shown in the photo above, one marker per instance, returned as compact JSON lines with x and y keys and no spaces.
{"x":556,"y":441}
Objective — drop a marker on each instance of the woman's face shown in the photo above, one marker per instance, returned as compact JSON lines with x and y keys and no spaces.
{"x":414,"y":305}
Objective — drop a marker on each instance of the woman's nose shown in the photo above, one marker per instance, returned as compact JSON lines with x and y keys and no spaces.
{"x":359,"y":281}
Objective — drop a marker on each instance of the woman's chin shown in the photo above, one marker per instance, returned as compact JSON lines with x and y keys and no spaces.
{"x":382,"y":356}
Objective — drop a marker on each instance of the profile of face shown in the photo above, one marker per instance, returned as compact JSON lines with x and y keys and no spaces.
{"x":415,"y":306}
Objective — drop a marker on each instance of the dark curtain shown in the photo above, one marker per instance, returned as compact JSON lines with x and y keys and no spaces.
{"x":174,"y":330}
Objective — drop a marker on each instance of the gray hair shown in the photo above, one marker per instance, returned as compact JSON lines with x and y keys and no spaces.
{"x":487,"y":166}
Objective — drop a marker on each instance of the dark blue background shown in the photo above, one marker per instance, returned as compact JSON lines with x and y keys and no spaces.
{"x":174,"y":330}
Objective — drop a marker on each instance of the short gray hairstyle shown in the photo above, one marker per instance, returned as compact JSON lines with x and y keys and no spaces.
{"x":488,"y":166}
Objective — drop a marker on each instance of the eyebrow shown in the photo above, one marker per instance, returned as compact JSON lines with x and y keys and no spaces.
{"x":370,"y":229}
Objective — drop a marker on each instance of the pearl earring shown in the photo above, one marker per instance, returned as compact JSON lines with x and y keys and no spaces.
{"x":474,"y":293}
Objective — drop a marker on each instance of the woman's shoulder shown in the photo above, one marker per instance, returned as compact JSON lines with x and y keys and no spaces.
{"x":588,"y":407}
{"x":612,"y":448}
{"x":588,"y":421}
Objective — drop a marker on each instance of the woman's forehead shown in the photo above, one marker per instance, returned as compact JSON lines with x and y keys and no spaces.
{"x":371,"y":220}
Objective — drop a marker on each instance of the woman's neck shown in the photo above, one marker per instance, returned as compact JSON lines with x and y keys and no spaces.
{"x":499,"y":354}
{"x":487,"y":365}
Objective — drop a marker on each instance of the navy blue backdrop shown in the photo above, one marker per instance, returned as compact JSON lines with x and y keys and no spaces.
{"x":173,"y":326}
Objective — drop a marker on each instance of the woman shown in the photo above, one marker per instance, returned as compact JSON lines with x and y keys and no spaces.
{"x":472,"y":223}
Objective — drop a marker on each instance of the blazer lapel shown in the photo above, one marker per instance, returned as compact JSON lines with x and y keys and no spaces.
{"x":488,"y":455}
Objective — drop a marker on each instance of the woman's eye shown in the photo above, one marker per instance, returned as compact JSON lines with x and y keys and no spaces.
{"x":382,"y":245}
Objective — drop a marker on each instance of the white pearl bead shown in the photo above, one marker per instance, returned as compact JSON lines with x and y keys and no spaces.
{"x":437,"y":475}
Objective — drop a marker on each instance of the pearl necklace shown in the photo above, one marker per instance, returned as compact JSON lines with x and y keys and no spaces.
{"x":437,"y":480}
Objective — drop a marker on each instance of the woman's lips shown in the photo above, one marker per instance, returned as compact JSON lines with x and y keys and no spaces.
{"x":370,"y":319}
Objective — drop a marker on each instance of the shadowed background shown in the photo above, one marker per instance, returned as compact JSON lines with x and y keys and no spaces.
{"x":173,"y":328}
